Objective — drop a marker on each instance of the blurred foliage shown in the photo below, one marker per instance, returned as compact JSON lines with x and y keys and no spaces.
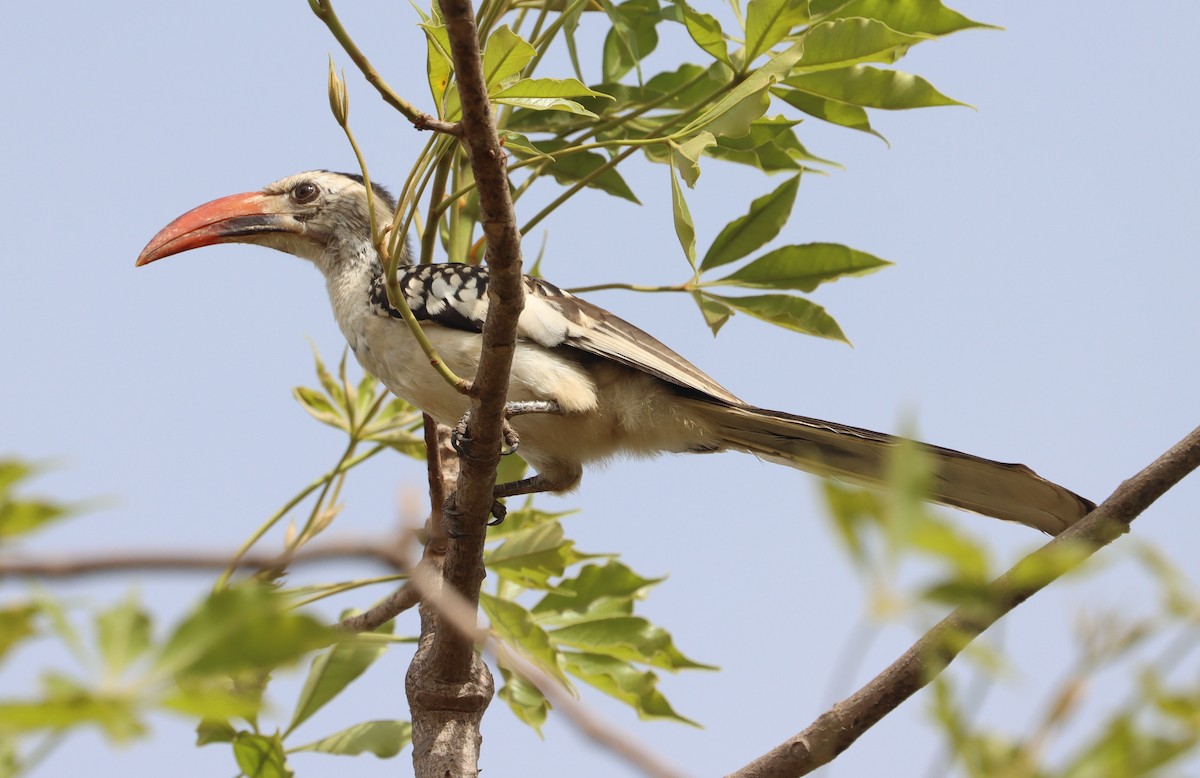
{"x":20,"y":516}
{"x":917,"y":564}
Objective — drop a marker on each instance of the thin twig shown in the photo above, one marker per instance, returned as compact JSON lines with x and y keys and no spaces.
{"x":837,"y":729}
{"x":396,"y":603}
{"x":380,"y":550}
{"x":421,"y":120}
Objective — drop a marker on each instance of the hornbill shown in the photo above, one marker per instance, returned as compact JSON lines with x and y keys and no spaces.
{"x":612,"y":388}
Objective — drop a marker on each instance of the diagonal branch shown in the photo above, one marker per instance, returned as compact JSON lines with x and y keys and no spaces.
{"x":421,"y":120}
{"x":836,"y":730}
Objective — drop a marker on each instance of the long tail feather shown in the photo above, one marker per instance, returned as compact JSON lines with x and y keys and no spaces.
{"x":1003,"y":491}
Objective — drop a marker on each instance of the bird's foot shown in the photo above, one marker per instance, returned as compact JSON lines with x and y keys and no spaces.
{"x":511,"y":441}
{"x":452,"y":516}
{"x":458,"y":436}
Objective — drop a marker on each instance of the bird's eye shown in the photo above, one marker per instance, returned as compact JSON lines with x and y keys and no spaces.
{"x":305,"y":192}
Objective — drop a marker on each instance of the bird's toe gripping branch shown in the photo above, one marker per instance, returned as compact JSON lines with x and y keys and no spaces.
{"x":459,"y":438}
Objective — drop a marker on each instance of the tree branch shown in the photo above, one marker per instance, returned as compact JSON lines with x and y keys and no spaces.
{"x":421,"y":120}
{"x":448,"y":685}
{"x":836,"y":730}
{"x":396,"y":603}
{"x":385,"y":551}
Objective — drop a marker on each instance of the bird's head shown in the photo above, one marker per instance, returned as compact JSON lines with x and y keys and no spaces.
{"x":319,"y":216}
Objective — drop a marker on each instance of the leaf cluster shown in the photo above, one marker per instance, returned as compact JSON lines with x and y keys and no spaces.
{"x":214,"y":665}
{"x":806,"y":59}
{"x":579,"y":623}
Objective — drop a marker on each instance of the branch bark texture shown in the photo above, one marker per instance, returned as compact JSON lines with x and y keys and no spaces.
{"x":837,"y":729}
{"x":448,"y":685}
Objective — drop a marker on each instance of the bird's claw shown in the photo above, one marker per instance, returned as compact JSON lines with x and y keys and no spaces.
{"x":510,"y":440}
{"x":452,"y":516}
{"x":458,"y":436}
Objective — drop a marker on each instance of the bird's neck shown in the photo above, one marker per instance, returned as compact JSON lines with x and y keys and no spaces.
{"x":349,"y":270}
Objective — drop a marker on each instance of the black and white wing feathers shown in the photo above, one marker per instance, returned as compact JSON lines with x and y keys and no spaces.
{"x":455,"y":295}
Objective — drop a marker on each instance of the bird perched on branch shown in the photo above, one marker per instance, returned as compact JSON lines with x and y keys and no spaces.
{"x":611,"y":388}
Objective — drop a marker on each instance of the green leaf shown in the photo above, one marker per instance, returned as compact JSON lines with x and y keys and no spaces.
{"x":736,"y":120}
{"x":706,"y":32}
{"x":384,"y":739}
{"x":630,"y":638}
{"x":842,"y":114}
{"x":16,"y":624}
{"x":715,"y":313}
{"x":631,"y":685}
{"x":770,"y":146}
{"x":511,"y":468}
{"x":745,"y":99}
{"x":62,"y":627}
{"x":522,"y":697}
{"x":122,"y":634}
{"x":546,"y":104}
{"x":505,"y":56}
{"x":438,"y":63}
{"x":777,"y":131}
{"x":213,"y":702}
{"x":21,"y":517}
{"x":684,"y":228}
{"x":915,"y":17}
{"x":632,"y":37}
{"x":260,"y":756}
{"x":687,"y":86}
{"x":686,"y":157}
{"x":768,"y":21}
{"x":762,"y":132}
{"x":518,"y":522}
{"x":792,"y":313}
{"x":211,"y":731}
{"x":570,"y":23}
{"x":852,"y":510}
{"x":762,"y":222}
{"x":396,"y":423}
{"x":844,"y":42}
{"x":571,"y":168}
{"x":803,"y":267}
{"x":516,"y":627}
{"x":871,"y":87}
{"x":548,"y":87}
{"x":521,"y":145}
{"x":598,"y":591}
{"x":367,"y":392}
{"x":967,"y":558}
{"x":67,"y":704}
{"x":331,"y":385}
{"x":12,"y":472}
{"x":332,"y":671}
{"x":319,"y":407}
{"x":243,"y":628}
{"x":532,"y":556}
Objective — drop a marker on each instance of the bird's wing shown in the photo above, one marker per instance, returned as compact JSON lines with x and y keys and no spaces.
{"x":455,"y":295}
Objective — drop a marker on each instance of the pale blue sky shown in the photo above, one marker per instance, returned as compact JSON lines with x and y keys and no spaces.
{"x":1043,"y":310}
